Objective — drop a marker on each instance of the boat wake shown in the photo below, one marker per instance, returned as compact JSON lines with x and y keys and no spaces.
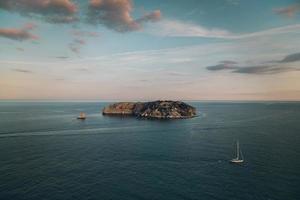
{"x":69,"y":132}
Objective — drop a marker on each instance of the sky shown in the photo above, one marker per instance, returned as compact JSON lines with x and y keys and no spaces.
{"x":149,"y":50}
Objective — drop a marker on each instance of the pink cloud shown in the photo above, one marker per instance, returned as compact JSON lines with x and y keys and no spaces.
{"x":19,"y":33}
{"x":40,"y":6}
{"x":116,"y":14}
{"x":56,"y":11}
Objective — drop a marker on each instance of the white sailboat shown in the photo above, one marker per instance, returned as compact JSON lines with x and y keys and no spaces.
{"x":239,"y":156}
{"x":81,"y":116}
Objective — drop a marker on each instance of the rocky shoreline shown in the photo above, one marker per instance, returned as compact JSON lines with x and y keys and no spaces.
{"x":153,"y":109}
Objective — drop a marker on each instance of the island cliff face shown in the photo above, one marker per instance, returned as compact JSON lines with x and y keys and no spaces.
{"x":154,"y":109}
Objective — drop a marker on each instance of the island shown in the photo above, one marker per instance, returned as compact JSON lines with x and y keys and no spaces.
{"x":154,"y":109}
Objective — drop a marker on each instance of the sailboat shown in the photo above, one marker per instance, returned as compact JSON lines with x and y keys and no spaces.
{"x":81,"y":116}
{"x":239,"y":156}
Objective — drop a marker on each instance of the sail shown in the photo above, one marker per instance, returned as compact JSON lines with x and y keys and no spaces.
{"x":239,"y":156}
{"x":81,"y":116}
{"x":242,"y":157}
{"x":239,"y":153}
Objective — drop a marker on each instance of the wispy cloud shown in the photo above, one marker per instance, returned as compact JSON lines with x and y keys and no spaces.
{"x":60,"y":79}
{"x":76,"y":45}
{"x":295,"y":28}
{"x":177,"y":74}
{"x":223,"y":65}
{"x":264,"y":69}
{"x":79,"y":33}
{"x":81,"y":69}
{"x":176,"y":28}
{"x":291,"y":58}
{"x":289,"y":11}
{"x":19,"y":34}
{"x":20,"y":49}
{"x":62,"y":57}
{"x":74,"y":48}
{"x":80,"y":39}
{"x":233,"y":2}
{"x":22,"y":70}
{"x":61,"y":19}
{"x":270,"y":67}
{"x":117,"y":15}
{"x":257,"y":69}
{"x":153,"y":16}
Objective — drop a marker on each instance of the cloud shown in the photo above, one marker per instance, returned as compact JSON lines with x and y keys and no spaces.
{"x":19,"y":49}
{"x":76,"y":44}
{"x":258,"y":69}
{"x":271,"y":68}
{"x":61,"y":19}
{"x":78,"y":33}
{"x":79,"y":41}
{"x":223,"y":65}
{"x":176,"y":28}
{"x":228,"y":62}
{"x":60,"y":79}
{"x":19,"y":34}
{"x":55,"y":11}
{"x":154,"y":16}
{"x":233,"y":2}
{"x":263,"y":69}
{"x":40,"y":6}
{"x":62,"y":57}
{"x":116,"y":15}
{"x":22,"y":70}
{"x":291,"y":58}
{"x":74,"y":48}
{"x":179,"y":74}
{"x":289,"y":11}
{"x":82,"y":69}
{"x":80,"y":38}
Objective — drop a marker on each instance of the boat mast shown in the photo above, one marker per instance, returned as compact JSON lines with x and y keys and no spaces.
{"x":237,"y":150}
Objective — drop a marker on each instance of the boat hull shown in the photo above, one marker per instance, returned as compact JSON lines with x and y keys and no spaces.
{"x":236,"y":161}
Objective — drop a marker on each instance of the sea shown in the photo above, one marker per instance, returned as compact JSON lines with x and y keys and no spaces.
{"x":47,"y":154}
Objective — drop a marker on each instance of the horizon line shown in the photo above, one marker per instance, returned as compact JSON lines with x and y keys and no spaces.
{"x":130,"y":100}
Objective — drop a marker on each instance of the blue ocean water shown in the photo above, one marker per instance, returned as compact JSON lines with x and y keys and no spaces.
{"x":46,"y":153}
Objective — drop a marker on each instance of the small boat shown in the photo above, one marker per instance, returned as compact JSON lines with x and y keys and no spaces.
{"x":239,"y":156}
{"x":81,"y":116}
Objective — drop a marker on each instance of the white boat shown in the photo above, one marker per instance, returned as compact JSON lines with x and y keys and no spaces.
{"x":81,"y":116}
{"x":239,"y":155}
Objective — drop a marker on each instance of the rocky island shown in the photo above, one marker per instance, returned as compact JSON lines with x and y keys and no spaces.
{"x":153,"y":109}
